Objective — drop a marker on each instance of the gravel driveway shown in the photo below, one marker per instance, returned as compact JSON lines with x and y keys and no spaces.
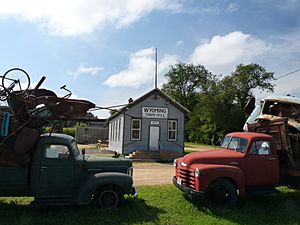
{"x":152,"y":173}
{"x":158,"y":173}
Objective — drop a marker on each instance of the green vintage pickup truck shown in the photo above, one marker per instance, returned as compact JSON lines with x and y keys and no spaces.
{"x":57,"y":173}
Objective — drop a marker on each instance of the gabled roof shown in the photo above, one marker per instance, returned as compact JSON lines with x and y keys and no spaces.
{"x":145,"y":96}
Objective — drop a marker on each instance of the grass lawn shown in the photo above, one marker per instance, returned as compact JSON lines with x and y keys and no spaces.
{"x":190,"y":147}
{"x":158,"y":205}
{"x":191,"y":144}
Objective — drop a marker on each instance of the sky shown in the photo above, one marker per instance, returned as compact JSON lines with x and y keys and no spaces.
{"x":104,"y":51}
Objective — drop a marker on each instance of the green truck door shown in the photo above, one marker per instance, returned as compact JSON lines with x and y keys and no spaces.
{"x":56,"y":171}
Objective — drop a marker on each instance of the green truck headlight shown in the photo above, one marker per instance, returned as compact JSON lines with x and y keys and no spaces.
{"x":130,"y":171}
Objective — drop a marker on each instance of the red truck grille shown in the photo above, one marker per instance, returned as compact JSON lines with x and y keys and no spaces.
{"x":187,"y":176}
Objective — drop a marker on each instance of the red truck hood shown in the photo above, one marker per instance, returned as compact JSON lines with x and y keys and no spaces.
{"x":219,"y":156}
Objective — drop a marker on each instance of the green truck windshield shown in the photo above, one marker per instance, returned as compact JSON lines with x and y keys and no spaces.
{"x":75,"y":149}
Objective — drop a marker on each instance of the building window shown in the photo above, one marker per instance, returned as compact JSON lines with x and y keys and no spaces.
{"x":115,"y":130}
{"x":172,"y":130}
{"x":119,"y":130}
{"x":135,"y":129}
{"x":110,"y":131}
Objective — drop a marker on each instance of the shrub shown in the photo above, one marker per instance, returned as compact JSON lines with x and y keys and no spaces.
{"x":66,"y":130}
{"x":70,"y":131}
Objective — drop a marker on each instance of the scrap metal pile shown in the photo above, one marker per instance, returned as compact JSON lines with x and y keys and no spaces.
{"x":278,"y":116}
{"x":27,"y":111}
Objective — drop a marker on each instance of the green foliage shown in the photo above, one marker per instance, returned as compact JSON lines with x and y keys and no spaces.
{"x":245,"y":79}
{"x":216,"y":105}
{"x":66,"y":130}
{"x":185,"y":81}
{"x":158,"y":205}
{"x":215,"y":115}
{"x":81,"y":124}
{"x":70,"y":131}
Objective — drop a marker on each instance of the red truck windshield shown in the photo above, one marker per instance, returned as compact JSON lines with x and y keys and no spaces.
{"x":235,"y":143}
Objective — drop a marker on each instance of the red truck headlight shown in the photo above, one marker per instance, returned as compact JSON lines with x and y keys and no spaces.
{"x":197,"y":172}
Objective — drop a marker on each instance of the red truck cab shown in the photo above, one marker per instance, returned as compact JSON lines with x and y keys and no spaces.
{"x":245,"y":162}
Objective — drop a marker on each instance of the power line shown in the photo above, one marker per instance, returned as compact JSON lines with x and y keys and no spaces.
{"x":285,"y":75}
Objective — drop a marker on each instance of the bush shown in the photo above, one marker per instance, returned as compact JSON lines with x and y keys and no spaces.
{"x":70,"y":131}
{"x":66,"y":130}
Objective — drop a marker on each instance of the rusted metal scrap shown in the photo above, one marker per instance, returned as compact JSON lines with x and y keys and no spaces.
{"x":27,"y":111}
{"x":279,"y":116}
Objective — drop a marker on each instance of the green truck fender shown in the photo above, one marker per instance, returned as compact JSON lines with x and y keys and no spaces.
{"x":211,"y":172}
{"x":93,"y":182}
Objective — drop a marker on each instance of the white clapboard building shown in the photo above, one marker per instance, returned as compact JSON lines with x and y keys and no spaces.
{"x":153,"y":122}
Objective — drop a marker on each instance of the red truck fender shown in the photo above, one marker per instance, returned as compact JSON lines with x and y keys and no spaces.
{"x":212,"y":172}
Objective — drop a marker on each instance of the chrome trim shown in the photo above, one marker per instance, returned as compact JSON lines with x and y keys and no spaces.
{"x":175,"y":163}
{"x":272,"y":158}
{"x":130,"y":171}
{"x":197,"y":172}
{"x":92,"y":170}
{"x":134,"y":192}
{"x":183,"y":164}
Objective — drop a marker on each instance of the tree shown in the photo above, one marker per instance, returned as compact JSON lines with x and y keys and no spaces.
{"x":214,"y":115}
{"x":219,"y":110}
{"x":246,"y":78}
{"x":185,"y":81}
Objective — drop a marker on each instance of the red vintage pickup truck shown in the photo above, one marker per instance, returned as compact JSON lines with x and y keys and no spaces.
{"x":246,"y":163}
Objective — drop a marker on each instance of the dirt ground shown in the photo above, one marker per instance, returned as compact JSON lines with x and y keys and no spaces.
{"x":159,"y":173}
{"x":149,"y":173}
{"x":152,"y":173}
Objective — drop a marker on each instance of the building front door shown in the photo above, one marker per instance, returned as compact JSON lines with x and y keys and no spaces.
{"x":154,"y":138}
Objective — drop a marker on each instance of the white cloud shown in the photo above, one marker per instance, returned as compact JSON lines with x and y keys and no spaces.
{"x":76,"y":17}
{"x":282,"y":5}
{"x":222,"y":53}
{"x":284,"y":58}
{"x":141,"y":70}
{"x":166,"y":62}
{"x":85,"y":70}
{"x":179,"y":43}
{"x":233,"y":7}
{"x":211,"y":10}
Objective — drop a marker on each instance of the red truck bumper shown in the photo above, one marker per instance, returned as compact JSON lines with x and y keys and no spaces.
{"x":200,"y":195}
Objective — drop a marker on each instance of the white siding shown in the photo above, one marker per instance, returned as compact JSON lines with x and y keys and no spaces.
{"x":116,"y":134}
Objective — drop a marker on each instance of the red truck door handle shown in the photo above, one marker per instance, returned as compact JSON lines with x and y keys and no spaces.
{"x":272,"y":159}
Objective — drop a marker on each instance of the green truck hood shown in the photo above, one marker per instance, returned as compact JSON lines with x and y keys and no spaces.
{"x":108,"y":164}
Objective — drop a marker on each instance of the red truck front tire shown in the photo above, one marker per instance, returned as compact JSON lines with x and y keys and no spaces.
{"x":221,"y":193}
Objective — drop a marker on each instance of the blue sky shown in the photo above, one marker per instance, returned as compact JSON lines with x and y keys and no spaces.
{"x":104,"y":50}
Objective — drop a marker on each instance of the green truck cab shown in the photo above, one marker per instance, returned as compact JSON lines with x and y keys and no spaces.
{"x":57,"y":173}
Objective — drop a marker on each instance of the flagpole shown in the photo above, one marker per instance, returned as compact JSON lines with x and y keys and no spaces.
{"x":155,"y":79}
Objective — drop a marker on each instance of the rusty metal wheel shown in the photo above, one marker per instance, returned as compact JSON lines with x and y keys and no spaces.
{"x":16,"y":80}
